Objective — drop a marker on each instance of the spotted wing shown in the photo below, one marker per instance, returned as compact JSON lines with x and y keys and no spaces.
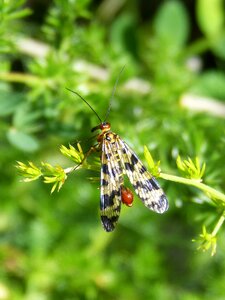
{"x":111,"y":182}
{"x":145,"y":185}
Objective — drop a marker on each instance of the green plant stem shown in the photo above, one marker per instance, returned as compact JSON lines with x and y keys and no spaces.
{"x":86,"y":167}
{"x":218,"y":225}
{"x":21,"y":78}
{"x":198,"y":47}
{"x":205,"y":188}
{"x":202,"y":45}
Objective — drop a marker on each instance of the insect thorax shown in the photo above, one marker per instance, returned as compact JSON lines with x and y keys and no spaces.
{"x":107,"y":135}
{"x":110,"y":136}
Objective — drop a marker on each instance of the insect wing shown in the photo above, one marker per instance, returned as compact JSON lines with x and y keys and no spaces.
{"x":111,"y":182}
{"x":145,"y":185}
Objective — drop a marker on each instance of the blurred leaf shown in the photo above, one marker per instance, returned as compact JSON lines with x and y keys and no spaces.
{"x":26,"y":120}
{"x":210,"y":14}
{"x":19,"y":14}
{"x":172,"y":24}
{"x":207,"y":241}
{"x":123,"y":36}
{"x":9,"y":102}
{"x":75,"y":259}
{"x":210,"y":84}
{"x":9,"y":12}
{"x":22,"y":140}
{"x":61,"y":17}
{"x":219,"y":46}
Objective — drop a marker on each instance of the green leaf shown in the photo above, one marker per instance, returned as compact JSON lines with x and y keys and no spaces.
{"x":218,"y":46}
{"x":171,"y":24}
{"x":191,"y":168}
{"x":210,"y":15}
{"x":154,"y":167}
{"x":19,"y":14}
{"x":210,"y":84}
{"x":76,"y":155}
{"x":25,"y":119}
{"x":149,"y":158}
{"x":29,"y":171}
{"x":54,"y":175}
{"x":207,"y":241}
{"x":22,"y":140}
{"x":9,"y":102}
{"x":122,"y":35}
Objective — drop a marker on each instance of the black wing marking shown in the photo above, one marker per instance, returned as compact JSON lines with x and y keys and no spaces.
{"x":111,"y":182}
{"x":145,"y":185}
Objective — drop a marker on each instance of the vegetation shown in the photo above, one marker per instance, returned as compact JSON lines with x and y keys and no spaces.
{"x":169,"y":102}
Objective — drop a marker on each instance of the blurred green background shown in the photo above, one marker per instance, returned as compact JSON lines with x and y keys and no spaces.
{"x":170,"y":97}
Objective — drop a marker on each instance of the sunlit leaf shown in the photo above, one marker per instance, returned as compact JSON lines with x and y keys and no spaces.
{"x":211,"y":16}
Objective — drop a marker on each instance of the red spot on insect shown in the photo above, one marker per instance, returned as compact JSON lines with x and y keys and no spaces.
{"x":127,"y":196}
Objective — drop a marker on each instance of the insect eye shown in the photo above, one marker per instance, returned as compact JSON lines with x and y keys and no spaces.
{"x":105,"y":125}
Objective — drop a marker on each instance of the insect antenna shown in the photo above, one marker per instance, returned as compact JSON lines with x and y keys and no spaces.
{"x":113,"y":93}
{"x":86,"y":103}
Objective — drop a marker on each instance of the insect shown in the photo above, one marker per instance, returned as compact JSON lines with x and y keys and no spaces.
{"x":117,"y":160}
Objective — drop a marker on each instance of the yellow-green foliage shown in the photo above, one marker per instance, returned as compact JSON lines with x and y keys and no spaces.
{"x":170,"y":97}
